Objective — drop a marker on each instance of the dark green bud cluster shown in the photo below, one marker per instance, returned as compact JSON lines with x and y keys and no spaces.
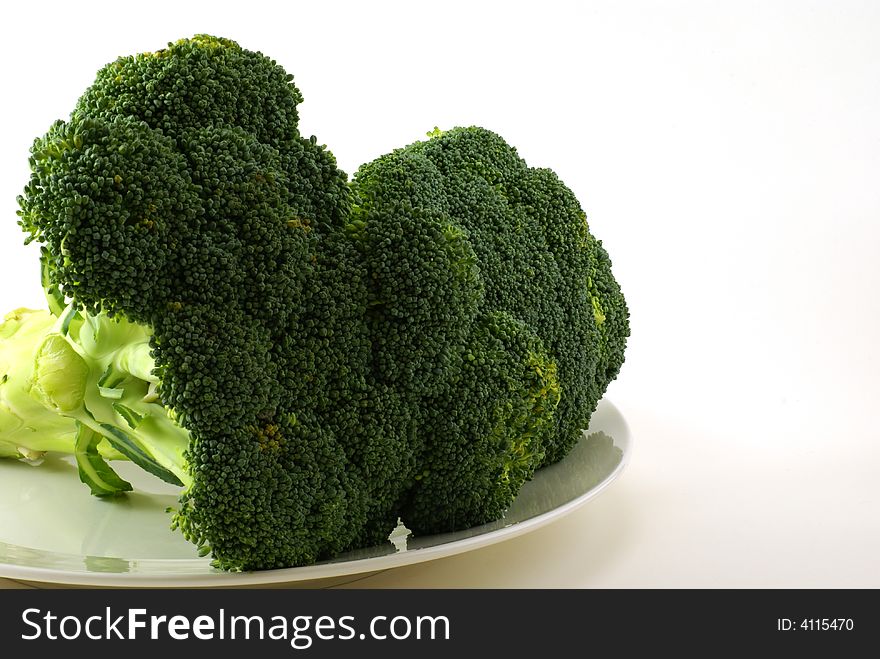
{"x":535,"y":256}
{"x":198,"y":82}
{"x":181,"y":195}
{"x":485,"y":436}
{"x":415,"y":343}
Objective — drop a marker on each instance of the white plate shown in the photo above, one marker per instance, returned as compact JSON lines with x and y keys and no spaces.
{"x":53,"y":531}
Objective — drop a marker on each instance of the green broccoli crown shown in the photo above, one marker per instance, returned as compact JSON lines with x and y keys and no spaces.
{"x":535,"y":256}
{"x":181,"y":196}
{"x":311,"y":358}
{"x":110,"y":200}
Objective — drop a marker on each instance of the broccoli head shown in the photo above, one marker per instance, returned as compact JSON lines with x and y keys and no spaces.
{"x":181,"y":197}
{"x":530,"y":244}
{"x":309,"y":358}
{"x":507,"y":348}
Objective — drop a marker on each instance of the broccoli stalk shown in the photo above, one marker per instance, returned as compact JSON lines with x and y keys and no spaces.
{"x":27,"y":428}
{"x":84,"y":384}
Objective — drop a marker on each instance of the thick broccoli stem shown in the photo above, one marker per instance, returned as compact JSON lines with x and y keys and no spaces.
{"x":85,"y":384}
{"x":27,"y":428}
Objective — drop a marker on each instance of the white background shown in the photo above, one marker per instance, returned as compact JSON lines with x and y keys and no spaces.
{"x":728,"y":154}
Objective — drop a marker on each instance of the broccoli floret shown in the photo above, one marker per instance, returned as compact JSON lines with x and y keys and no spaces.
{"x":198,"y":82}
{"x":110,"y":201}
{"x":493,"y":311}
{"x":486,"y":435}
{"x":180,"y":197}
{"x":424,"y":292}
{"x":533,"y":250}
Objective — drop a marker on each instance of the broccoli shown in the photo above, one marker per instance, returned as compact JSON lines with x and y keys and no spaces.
{"x":195,"y":211}
{"x":528,"y":238}
{"x":528,"y":332}
{"x":308,"y":358}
